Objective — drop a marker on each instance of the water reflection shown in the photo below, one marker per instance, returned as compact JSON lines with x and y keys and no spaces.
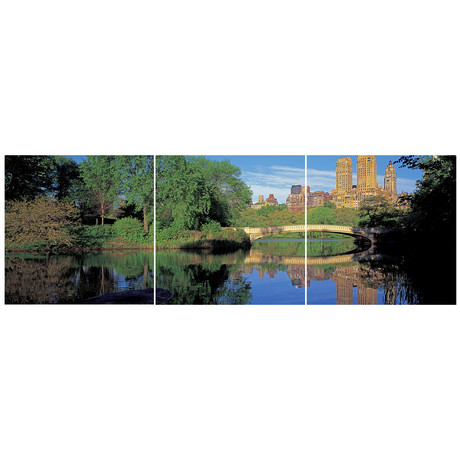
{"x":363,"y":278}
{"x":272,"y":273}
{"x":326,"y":247}
{"x":31,"y":278}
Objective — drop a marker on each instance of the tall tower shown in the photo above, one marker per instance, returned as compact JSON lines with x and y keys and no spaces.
{"x":366,"y":173}
{"x":343,"y":175}
{"x":390,"y":179}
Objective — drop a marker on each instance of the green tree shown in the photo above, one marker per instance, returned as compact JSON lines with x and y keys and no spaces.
{"x":41,"y":220}
{"x":347,"y":216}
{"x":182,"y":197}
{"x":27,"y":176}
{"x":377,"y":211}
{"x":66,"y":181}
{"x":321,"y":215}
{"x":136,"y":175}
{"x":228,"y":193}
{"x":102,"y":177}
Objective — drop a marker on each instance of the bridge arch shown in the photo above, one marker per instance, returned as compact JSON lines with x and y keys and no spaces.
{"x":358,"y":232}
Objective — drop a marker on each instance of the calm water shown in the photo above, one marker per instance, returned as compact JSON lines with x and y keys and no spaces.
{"x":271,"y":272}
{"x":338,"y":274}
{"x":63,"y":279}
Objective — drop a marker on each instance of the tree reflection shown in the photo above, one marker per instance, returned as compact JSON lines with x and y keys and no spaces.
{"x":38,"y":281}
{"x":202,"y":278}
{"x":71,"y":279}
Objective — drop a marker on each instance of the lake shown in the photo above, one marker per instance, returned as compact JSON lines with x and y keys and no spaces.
{"x":69,"y":279}
{"x":339,"y":274}
{"x":272,"y":272}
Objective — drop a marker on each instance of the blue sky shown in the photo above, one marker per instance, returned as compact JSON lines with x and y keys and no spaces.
{"x":321,"y":172}
{"x":78,"y":158}
{"x":268,"y":173}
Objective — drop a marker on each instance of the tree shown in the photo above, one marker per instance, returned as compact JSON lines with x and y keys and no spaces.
{"x":329,"y":204}
{"x":183,"y":199}
{"x":41,"y":220}
{"x":347,"y":216}
{"x":321,"y":215}
{"x":377,"y":211}
{"x":229,"y":194}
{"x":27,"y":176}
{"x":136,"y":174}
{"x":433,"y":205}
{"x":102,"y":178}
{"x":66,"y":182}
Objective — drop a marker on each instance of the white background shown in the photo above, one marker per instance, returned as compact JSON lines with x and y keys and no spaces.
{"x":226,"y":78}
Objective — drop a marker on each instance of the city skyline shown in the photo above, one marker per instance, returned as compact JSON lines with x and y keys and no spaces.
{"x":321,"y":172}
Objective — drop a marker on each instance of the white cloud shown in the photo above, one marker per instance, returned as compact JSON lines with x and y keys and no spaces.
{"x":278,"y":181}
{"x":289,"y":169}
{"x":318,"y":179}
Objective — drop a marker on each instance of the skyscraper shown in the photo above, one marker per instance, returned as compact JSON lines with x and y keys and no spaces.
{"x":347,"y":195}
{"x":343,"y":175}
{"x":366,"y":173}
{"x":390,"y":179}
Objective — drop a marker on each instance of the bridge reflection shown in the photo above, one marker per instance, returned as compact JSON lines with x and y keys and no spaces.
{"x":245,"y":262}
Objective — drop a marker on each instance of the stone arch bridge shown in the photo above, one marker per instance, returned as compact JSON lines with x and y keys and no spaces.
{"x":358,"y":232}
{"x":256,"y":233}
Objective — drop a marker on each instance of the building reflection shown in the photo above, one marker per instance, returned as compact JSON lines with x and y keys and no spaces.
{"x":296,"y":273}
{"x":353,"y":275}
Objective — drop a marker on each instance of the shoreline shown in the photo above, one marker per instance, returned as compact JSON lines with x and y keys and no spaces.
{"x":76,"y":250}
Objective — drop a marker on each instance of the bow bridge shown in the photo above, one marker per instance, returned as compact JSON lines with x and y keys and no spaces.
{"x":358,"y":232}
{"x":256,"y":233}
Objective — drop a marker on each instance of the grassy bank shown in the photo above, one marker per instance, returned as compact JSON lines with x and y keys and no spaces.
{"x":85,"y":238}
{"x":218,"y":240}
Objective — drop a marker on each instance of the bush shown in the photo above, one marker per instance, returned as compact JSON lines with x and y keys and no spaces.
{"x":130,"y":229}
{"x":40,"y":221}
{"x":92,"y":236}
{"x":211,"y":228}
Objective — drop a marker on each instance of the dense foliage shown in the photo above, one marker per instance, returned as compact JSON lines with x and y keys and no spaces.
{"x":433,"y":205}
{"x":40,"y":221}
{"x":268,"y":216}
{"x":195,"y":198}
{"x":192,"y":191}
{"x":377,"y":211}
{"x":327,"y":214}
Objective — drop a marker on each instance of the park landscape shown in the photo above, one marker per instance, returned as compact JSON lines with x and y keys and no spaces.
{"x":79,"y":229}
{"x":219,"y":241}
{"x":369,"y":244}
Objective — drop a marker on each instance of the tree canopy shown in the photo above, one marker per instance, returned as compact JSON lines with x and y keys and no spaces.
{"x":433,"y":205}
{"x":193,"y":191}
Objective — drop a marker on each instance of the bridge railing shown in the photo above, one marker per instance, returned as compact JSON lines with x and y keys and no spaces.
{"x":274,"y":228}
{"x":344,"y":228}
